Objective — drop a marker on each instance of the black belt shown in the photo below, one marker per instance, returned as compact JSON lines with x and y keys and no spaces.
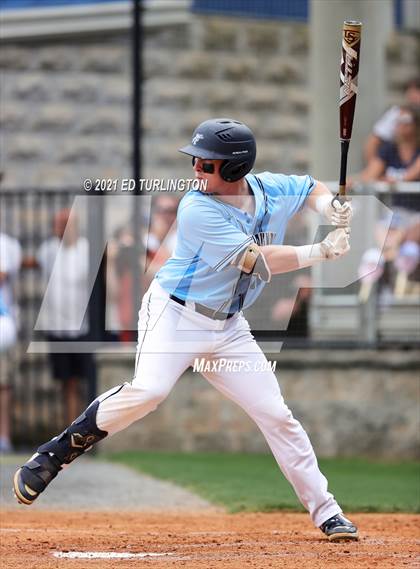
{"x":204,"y":310}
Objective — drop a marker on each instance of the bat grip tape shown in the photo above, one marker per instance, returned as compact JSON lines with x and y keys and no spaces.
{"x":343,"y":167}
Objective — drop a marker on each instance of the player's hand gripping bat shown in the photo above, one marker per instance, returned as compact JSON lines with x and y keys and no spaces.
{"x":349,"y":70}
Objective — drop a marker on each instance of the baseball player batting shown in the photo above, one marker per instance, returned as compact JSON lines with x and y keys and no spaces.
{"x":229,"y":243}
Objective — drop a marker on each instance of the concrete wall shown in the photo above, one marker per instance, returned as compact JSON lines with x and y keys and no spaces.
{"x":351,"y":403}
{"x":65,"y":110}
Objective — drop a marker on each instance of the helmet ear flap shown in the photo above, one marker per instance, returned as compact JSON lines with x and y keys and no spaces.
{"x":233,"y":171}
{"x":225,"y":170}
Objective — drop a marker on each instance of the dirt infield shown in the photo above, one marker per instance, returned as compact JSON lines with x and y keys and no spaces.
{"x":204,"y":541}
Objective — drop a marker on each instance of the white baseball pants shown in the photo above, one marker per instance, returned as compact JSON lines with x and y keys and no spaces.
{"x":171,"y":336}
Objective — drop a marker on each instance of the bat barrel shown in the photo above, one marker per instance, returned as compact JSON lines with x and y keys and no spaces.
{"x":349,"y":70}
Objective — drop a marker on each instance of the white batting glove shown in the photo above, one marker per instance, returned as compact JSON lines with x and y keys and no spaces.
{"x":337,"y":213}
{"x":340,"y":213}
{"x":336,"y":244}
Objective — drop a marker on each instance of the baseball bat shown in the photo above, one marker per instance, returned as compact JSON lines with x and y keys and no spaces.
{"x":349,"y":71}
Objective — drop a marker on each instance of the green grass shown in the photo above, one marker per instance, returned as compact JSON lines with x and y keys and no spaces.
{"x":253,"y":482}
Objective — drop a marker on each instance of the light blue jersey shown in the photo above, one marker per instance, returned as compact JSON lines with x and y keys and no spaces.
{"x":211,"y":233}
{"x":4,"y":311}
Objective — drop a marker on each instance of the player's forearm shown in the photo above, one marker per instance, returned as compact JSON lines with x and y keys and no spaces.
{"x":286,"y":258}
{"x":280,"y":258}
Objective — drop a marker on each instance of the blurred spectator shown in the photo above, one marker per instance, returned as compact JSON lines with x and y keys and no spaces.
{"x":10,"y":261}
{"x":159,"y":244}
{"x":64,"y":260}
{"x":122,"y":253}
{"x":292,"y":312}
{"x":396,"y":267}
{"x":291,"y":309}
{"x":385,"y":128}
{"x":406,"y":262}
{"x":398,"y":160}
{"x":371,"y":269}
{"x":405,"y":265}
{"x":121,"y":256}
{"x":161,"y":240}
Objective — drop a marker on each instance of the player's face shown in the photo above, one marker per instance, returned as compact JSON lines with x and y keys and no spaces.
{"x":208,"y":170}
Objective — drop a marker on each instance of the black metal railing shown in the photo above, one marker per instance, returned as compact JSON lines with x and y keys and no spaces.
{"x":37,"y":405}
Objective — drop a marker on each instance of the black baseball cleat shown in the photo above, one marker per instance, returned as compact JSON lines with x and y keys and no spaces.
{"x":34,"y":476}
{"x":340,"y":528}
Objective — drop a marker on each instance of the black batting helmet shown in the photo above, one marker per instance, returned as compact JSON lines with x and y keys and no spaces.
{"x":226,"y":139}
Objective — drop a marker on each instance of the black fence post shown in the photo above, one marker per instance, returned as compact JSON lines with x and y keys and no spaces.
{"x":96,"y":309}
{"x":137,"y":80}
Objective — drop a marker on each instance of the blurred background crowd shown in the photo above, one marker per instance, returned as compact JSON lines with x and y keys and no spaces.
{"x":67,"y":115}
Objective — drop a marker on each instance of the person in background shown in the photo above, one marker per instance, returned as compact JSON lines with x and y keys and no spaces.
{"x":292,"y":311}
{"x":158,"y":241}
{"x":10,"y":262}
{"x":121,"y":257}
{"x":398,"y":160}
{"x":158,"y":244}
{"x":384,"y":129}
{"x":64,"y":261}
{"x":161,"y":239}
{"x":291,"y":308}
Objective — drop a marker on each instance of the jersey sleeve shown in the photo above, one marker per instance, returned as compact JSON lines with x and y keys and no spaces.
{"x":209,"y":235}
{"x":294,"y":190}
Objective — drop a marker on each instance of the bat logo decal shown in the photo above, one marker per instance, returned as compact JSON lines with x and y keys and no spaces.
{"x":351,"y":37}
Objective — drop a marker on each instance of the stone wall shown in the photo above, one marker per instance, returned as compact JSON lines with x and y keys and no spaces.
{"x":351,"y":404}
{"x":65,"y":110}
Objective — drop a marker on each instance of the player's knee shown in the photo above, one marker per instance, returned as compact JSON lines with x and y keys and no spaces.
{"x":151,"y":395}
{"x":272,"y":412}
{"x":157,"y":393}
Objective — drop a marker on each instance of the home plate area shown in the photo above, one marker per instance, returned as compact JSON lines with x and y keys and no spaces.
{"x":104,"y":555}
{"x":33,"y":538}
